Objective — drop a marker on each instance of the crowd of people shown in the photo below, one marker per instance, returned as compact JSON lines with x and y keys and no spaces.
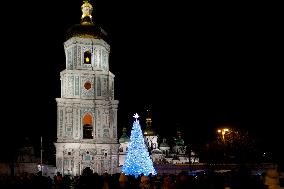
{"x":239,"y":179}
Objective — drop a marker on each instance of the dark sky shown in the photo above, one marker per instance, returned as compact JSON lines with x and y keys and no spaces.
{"x":196,"y":66}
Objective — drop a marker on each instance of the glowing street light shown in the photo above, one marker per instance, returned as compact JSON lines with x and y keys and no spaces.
{"x":223,"y":132}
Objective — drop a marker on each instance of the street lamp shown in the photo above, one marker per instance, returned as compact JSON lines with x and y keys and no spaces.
{"x":223,"y":132}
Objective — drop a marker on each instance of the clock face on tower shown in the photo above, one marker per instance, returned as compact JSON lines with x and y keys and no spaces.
{"x":87,"y":85}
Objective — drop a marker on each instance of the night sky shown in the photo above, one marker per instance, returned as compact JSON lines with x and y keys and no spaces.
{"x":196,"y":66}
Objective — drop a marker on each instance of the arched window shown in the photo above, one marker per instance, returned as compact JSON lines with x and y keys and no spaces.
{"x":87,"y":126}
{"x":87,"y":57}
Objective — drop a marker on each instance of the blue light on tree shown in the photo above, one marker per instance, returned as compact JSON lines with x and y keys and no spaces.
{"x":137,"y":161}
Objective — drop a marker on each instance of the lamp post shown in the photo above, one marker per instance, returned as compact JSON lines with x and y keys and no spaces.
{"x":41,"y":156}
{"x":223,"y":131}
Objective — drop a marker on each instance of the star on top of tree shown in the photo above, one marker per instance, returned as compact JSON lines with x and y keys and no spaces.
{"x":136,"y":116}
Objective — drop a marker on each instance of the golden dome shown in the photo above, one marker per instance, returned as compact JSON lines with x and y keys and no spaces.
{"x":85,"y":31}
{"x":149,"y":131}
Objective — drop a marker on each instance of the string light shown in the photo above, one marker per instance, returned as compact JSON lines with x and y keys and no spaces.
{"x":137,"y":162}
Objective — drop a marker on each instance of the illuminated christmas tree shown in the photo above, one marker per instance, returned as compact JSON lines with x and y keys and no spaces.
{"x":137,"y":161}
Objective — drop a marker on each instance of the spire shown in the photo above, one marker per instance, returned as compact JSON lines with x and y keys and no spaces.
{"x":148,"y":119}
{"x":178,"y":133}
{"x":124,"y":131}
{"x":87,"y":10}
{"x":149,"y":131}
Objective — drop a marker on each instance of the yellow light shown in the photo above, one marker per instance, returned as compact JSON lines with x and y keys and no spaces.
{"x":223,"y":132}
{"x":87,"y":59}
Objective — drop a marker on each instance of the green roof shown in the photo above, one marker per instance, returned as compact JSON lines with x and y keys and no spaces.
{"x":124,"y":138}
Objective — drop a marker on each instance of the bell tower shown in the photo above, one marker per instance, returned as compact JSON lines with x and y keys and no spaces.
{"x":86,"y":110}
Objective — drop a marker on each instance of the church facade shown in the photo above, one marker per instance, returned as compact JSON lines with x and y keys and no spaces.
{"x":86,"y":110}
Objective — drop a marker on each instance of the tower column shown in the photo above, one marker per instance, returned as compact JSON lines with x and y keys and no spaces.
{"x":86,"y":109}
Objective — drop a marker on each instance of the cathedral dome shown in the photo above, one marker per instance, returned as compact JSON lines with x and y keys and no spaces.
{"x":86,"y":28}
{"x":179,"y":142}
{"x":85,"y":31}
{"x":124,"y":138}
{"x":164,"y":144}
